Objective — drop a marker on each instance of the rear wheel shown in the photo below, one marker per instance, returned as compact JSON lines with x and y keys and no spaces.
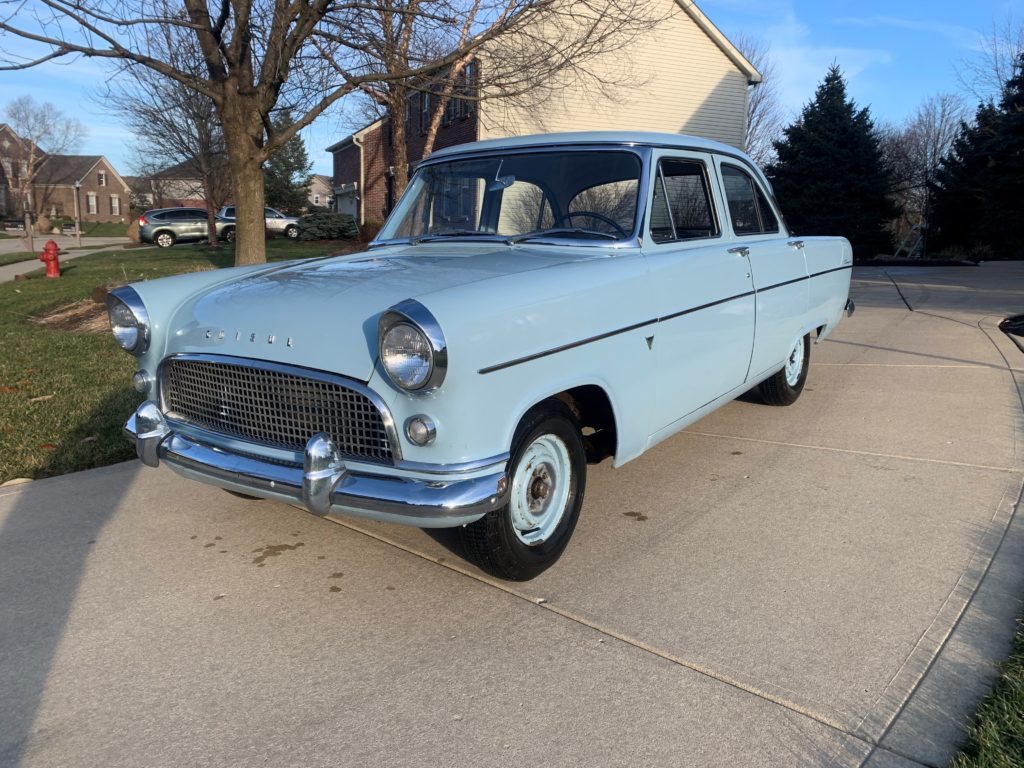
{"x":291,"y":232}
{"x":547,"y":477}
{"x":785,"y":386}
{"x":164,"y":239}
{"x":229,"y":235}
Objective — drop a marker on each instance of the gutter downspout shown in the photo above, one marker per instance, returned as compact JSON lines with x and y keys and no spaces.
{"x":362,"y":180}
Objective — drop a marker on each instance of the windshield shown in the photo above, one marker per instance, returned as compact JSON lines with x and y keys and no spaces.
{"x":584,"y":194}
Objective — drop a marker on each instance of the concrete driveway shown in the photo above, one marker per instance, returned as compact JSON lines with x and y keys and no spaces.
{"x":822,"y":585}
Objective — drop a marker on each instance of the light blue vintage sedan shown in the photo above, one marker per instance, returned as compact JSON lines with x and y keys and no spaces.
{"x":532,"y":305}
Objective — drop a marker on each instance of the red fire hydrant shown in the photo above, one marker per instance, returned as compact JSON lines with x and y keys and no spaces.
{"x":49,"y":257}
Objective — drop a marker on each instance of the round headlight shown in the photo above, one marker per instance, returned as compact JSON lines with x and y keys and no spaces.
{"x":128,"y":320}
{"x":407,"y":356}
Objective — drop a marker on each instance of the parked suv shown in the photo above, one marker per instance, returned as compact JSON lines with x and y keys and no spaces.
{"x":166,"y":226}
{"x":277,"y":222}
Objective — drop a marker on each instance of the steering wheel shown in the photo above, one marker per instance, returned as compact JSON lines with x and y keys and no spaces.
{"x":593,"y":215}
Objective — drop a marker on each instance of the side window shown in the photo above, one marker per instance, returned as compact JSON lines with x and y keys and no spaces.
{"x":749,"y":209}
{"x":682,"y":207}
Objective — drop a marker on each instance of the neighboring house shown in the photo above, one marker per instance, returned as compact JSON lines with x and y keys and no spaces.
{"x":15,"y":154}
{"x":692,"y":80}
{"x":320,"y":191}
{"x":180,"y":186}
{"x":103,"y":195}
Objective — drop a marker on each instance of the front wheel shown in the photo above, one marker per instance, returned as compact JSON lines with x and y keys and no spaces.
{"x":785,"y":386}
{"x":291,"y":232}
{"x":229,"y":235}
{"x":547,"y":477}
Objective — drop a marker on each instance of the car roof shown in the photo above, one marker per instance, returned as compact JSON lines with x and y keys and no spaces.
{"x":181,"y":208}
{"x":629,"y":138}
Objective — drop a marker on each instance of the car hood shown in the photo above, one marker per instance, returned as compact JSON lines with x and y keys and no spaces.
{"x":323,"y":313}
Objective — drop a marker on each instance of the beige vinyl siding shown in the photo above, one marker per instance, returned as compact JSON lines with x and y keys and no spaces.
{"x":684,"y":83}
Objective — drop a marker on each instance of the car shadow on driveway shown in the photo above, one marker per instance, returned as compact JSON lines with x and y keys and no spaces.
{"x":47,"y":532}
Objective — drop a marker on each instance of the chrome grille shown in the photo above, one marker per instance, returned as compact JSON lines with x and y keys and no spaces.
{"x":273,"y":406}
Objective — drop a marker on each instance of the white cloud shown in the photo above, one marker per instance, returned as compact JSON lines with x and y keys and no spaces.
{"x":801,"y":64}
{"x":961,"y":37}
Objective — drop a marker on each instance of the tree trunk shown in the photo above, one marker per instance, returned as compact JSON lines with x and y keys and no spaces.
{"x":243,"y":137}
{"x":211,"y":214}
{"x":399,"y":152}
{"x":250,"y":223}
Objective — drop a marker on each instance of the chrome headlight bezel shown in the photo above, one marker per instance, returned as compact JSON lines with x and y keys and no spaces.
{"x":122,"y":300}
{"x":413,"y":314}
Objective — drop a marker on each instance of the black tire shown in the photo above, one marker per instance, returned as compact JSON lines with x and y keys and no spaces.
{"x":291,"y":232}
{"x":229,"y":235}
{"x":164,"y":239}
{"x":493,"y":542}
{"x":782,"y":389}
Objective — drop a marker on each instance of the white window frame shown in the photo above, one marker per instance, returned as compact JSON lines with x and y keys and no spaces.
{"x":102,"y":178}
{"x":115,"y":205}
{"x":91,"y":205}
{"x":424,"y":111}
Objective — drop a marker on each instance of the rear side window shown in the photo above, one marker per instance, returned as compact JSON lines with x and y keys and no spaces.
{"x":682,"y":208}
{"x":749,"y":209}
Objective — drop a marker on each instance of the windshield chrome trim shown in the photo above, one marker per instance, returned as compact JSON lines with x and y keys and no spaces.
{"x":643,"y":152}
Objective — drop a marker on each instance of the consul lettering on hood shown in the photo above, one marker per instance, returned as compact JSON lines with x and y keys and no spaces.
{"x":531,"y":306}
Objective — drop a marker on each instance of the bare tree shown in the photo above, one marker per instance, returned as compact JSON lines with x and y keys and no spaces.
{"x":260,"y":57}
{"x":913,"y":153}
{"x":43,"y":129}
{"x":985,"y":74}
{"x":519,"y":53}
{"x":173,"y":124}
{"x":765,"y":118}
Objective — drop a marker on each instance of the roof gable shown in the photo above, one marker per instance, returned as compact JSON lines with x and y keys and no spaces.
{"x":716,"y":36}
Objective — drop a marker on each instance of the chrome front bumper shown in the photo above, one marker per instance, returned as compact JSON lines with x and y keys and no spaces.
{"x":323,"y":485}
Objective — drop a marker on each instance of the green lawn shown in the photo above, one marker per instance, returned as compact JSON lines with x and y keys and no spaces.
{"x":997,"y":737}
{"x":104,"y":229}
{"x":64,"y":396}
{"x":14,"y":258}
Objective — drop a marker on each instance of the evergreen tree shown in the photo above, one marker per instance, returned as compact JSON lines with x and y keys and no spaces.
{"x":829,"y":176}
{"x":981,"y":183}
{"x":286,"y":174}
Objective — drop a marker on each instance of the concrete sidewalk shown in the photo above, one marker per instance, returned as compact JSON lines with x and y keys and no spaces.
{"x":828,"y":584}
{"x":90,"y":245}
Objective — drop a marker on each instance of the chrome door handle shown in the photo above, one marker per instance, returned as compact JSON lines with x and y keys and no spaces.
{"x":796,"y":243}
{"x":742,"y":250}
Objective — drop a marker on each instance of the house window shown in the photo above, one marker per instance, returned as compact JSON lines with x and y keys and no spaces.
{"x":468,"y":87}
{"x":103,"y":178}
{"x":115,"y":205}
{"x":408,"y":109}
{"x":90,"y":202}
{"x":316,"y":199}
{"x":23,"y":166}
{"x":424,"y":112}
{"x":7,"y":167}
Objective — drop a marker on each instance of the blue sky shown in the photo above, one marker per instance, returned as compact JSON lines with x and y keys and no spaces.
{"x":894,"y":55}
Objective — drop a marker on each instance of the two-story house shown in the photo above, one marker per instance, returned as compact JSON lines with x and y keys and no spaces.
{"x":103,"y":195}
{"x":691,"y":80}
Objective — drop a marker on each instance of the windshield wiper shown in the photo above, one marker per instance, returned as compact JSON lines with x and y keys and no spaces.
{"x":450,"y":234}
{"x":560,"y":232}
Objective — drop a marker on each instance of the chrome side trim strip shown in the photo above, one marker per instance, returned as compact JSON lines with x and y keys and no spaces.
{"x":626,"y":329}
{"x":446,"y":469}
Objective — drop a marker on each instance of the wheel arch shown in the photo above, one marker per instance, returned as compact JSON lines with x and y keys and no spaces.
{"x":595,"y":411}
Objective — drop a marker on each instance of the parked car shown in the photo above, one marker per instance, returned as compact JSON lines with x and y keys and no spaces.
{"x":277,"y":222}
{"x":532,"y":305}
{"x":167,"y":226}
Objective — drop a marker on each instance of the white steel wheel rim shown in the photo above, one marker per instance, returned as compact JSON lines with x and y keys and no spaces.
{"x":540,"y":490}
{"x":795,"y":363}
{"x":164,"y":239}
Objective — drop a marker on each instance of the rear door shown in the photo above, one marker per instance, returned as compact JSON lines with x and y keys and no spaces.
{"x":777,"y":262}
{"x":701,"y":288}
